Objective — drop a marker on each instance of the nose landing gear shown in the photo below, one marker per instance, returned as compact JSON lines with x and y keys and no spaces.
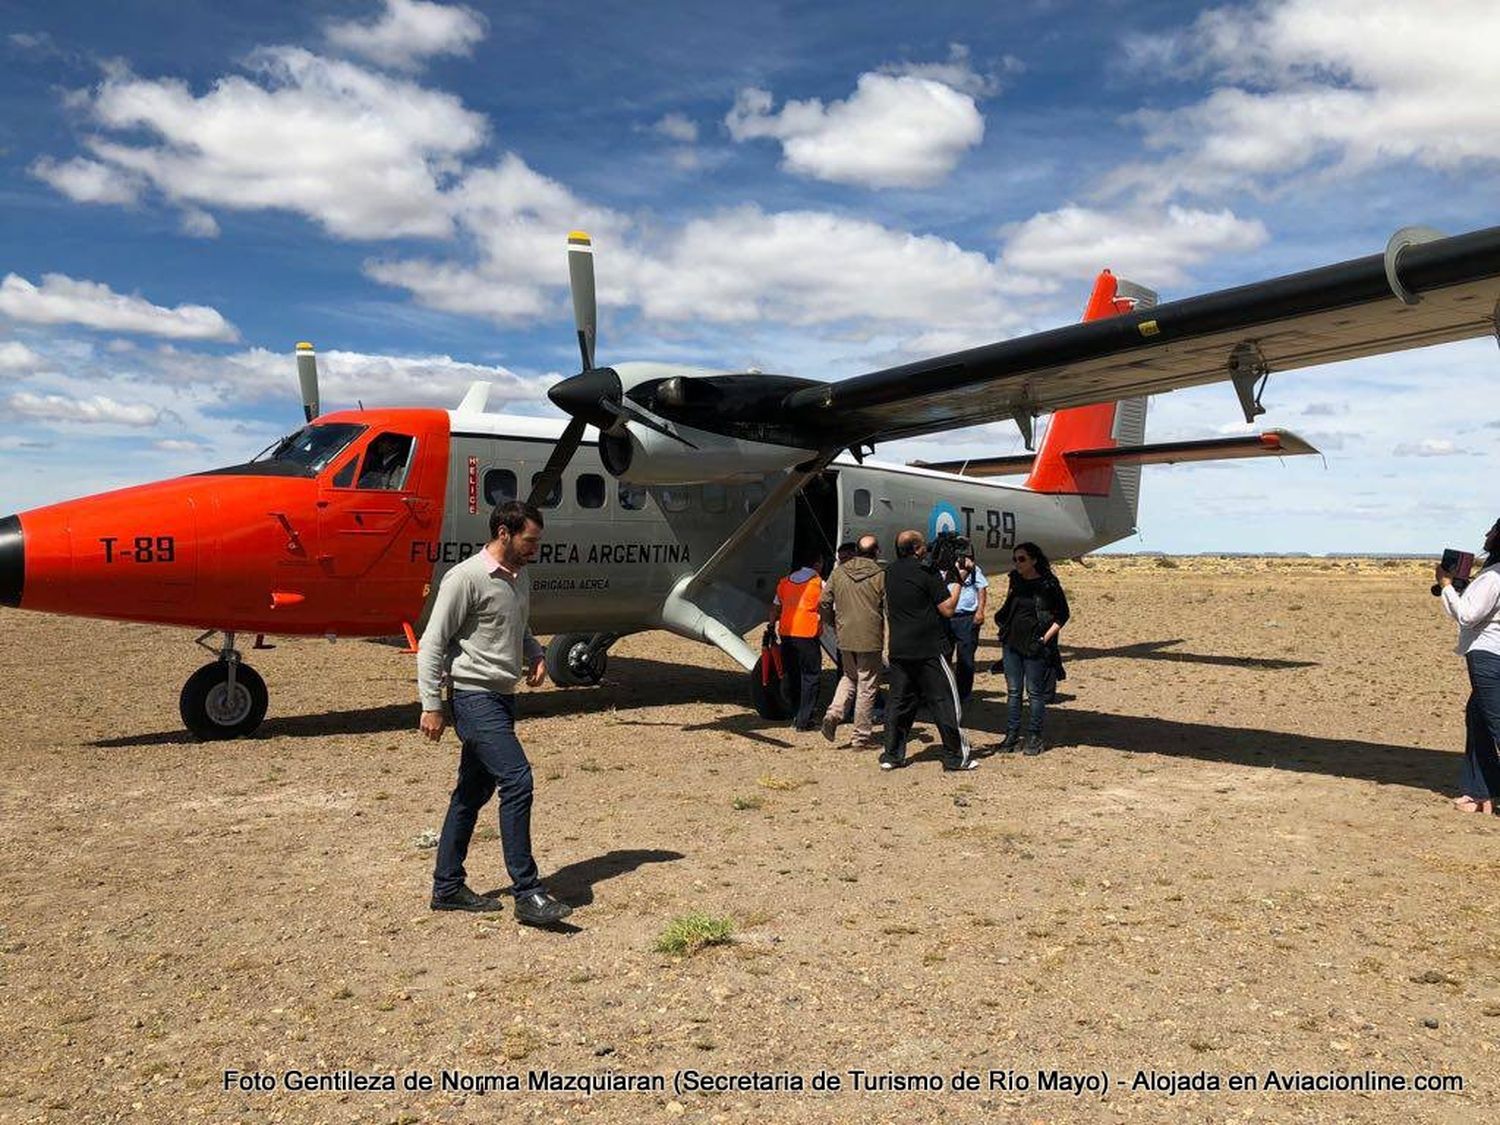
{"x":578,"y":659}
{"x":225,"y":699}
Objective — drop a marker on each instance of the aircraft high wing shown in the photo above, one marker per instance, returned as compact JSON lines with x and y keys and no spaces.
{"x":1424,"y":289}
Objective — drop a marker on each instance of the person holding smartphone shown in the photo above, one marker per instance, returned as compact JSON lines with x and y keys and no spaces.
{"x":1477,"y":611}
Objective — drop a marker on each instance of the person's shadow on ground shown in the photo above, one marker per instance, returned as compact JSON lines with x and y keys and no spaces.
{"x":574,"y":884}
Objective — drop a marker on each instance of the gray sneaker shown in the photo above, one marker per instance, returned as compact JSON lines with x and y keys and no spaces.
{"x":1033,"y":745}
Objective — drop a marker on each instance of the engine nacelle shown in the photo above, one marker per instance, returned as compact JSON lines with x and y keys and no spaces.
{"x":643,"y":456}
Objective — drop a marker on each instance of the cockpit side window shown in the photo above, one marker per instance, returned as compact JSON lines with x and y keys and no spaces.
{"x":386,"y":462}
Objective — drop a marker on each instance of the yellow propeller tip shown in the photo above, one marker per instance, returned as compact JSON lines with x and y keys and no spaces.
{"x":304,"y":346}
{"x":580,"y":236}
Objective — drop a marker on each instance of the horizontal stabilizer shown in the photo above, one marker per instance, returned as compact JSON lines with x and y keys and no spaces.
{"x":1272,"y":443}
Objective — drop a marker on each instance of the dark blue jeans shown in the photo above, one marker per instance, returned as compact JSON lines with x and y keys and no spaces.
{"x":803,"y":659}
{"x":1033,"y":671}
{"x":1481,"y":770}
{"x":486,"y":723}
{"x":965,"y":627}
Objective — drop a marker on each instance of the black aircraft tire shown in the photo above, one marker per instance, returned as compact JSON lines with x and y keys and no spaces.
{"x":567,"y":661}
{"x":772,"y":701}
{"x":212,"y":713}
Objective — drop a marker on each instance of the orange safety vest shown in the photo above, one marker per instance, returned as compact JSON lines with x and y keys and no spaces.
{"x":799,"y":607}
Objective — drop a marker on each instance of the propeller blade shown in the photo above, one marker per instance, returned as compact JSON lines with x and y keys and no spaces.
{"x":307,"y":375}
{"x":562,"y":453}
{"x":581,"y":282}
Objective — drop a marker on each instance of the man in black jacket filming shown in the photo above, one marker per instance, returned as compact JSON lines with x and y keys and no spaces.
{"x":917,"y":601}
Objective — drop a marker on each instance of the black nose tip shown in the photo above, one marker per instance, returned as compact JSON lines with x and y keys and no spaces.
{"x":12,"y":561}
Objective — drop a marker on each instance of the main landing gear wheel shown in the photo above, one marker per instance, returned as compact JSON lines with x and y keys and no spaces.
{"x":577,"y":659}
{"x":213,"y":708}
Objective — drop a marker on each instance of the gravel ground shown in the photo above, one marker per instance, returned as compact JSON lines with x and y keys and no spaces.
{"x":1236,"y":857}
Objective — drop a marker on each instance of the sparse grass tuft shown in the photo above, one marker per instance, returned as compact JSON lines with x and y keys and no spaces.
{"x":744,"y":804}
{"x":771,"y":781}
{"x":692,"y":932}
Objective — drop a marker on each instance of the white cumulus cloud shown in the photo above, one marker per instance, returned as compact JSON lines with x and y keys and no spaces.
{"x":1327,"y":85}
{"x":677,"y":127}
{"x":16,"y":356}
{"x":64,"y":300}
{"x":1155,"y":248}
{"x":93,"y":409}
{"x":893,"y":131}
{"x":409,"y":32}
{"x":88,"y":181}
{"x":1427,"y":447}
{"x":364,"y":154}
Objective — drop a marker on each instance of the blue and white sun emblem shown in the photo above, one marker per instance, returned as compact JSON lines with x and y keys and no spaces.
{"x":944,"y":518}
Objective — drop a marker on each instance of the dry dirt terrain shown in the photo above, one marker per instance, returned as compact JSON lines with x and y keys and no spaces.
{"x":1236,"y":857}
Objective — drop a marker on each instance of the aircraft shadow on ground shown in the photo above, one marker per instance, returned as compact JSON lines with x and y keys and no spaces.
{"x":1152,"y":650}
{"x":631,"y":682}
{"x":635,"y":682}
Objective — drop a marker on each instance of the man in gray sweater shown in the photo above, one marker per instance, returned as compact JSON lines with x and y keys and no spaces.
{"x":478,"y":635}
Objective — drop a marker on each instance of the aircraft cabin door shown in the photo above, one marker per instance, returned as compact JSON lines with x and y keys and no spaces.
{"x":817,"y":519}
{"x":364,"y":503}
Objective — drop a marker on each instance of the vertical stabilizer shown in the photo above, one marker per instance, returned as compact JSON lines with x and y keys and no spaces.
{"x":1099,"y":426}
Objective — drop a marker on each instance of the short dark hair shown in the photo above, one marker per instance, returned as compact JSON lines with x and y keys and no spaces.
{"x":513,"y":515}
{"x":847,"y":549}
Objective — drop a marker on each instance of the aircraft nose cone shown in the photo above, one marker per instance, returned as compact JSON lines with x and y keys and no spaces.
{"x":12,"y":561}
{"x":580,"y":395}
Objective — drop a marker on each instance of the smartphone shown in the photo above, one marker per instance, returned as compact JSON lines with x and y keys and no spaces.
{"x":1458,"y":563}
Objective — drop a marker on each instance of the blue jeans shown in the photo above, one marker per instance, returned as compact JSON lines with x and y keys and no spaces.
{"x":486,"y":723}
{"x":965,"y":627}
{"x":1481,"y":770}
{"x":1033,"y":669}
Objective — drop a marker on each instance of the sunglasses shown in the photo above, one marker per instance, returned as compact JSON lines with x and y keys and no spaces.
{"x":1020,"y":558}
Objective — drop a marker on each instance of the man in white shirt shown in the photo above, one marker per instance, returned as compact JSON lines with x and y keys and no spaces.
{"x":1477,"y":611}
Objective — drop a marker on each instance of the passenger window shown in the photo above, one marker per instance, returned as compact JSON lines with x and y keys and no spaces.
{"x":386,"y":461}
{"x":861,"y":501}
{"x":674,"y":498}
{"x":632,"y":497}
{"x":554,"y":494}
{"x":715,"y":498}
{"x":755,"y":492}
{"x":590,"y":491}
{"x":345,"y":476}
{"x":499,"y":486}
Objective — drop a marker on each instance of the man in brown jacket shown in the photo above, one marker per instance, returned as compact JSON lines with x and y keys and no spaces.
{"x":854,"y":601}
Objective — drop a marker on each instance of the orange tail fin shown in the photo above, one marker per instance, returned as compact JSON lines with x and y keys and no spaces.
{"x":1087,"y":427}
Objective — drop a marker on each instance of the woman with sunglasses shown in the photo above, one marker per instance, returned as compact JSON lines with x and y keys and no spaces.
{"x":1034,"y":612}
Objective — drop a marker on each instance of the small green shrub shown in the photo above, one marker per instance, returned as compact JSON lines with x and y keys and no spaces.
{"x":692,"y":932}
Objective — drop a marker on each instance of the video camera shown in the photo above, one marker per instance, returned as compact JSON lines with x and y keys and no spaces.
{"x":1459,"y":564}
{"x":945,"y":551}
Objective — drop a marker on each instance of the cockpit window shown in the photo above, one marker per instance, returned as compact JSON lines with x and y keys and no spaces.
{"x":312,"y":447}
{"x":385,"y":463}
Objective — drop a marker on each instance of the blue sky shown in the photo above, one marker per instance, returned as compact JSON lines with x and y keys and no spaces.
{"x":187,"y":190}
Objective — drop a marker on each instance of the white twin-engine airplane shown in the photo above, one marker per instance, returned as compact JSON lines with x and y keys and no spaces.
{"x":676,"y":497}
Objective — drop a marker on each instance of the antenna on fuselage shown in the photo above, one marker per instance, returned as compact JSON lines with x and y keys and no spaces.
{"x":307,"y":375}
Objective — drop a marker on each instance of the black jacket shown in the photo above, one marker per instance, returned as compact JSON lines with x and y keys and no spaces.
{"x":1029,"y":609}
